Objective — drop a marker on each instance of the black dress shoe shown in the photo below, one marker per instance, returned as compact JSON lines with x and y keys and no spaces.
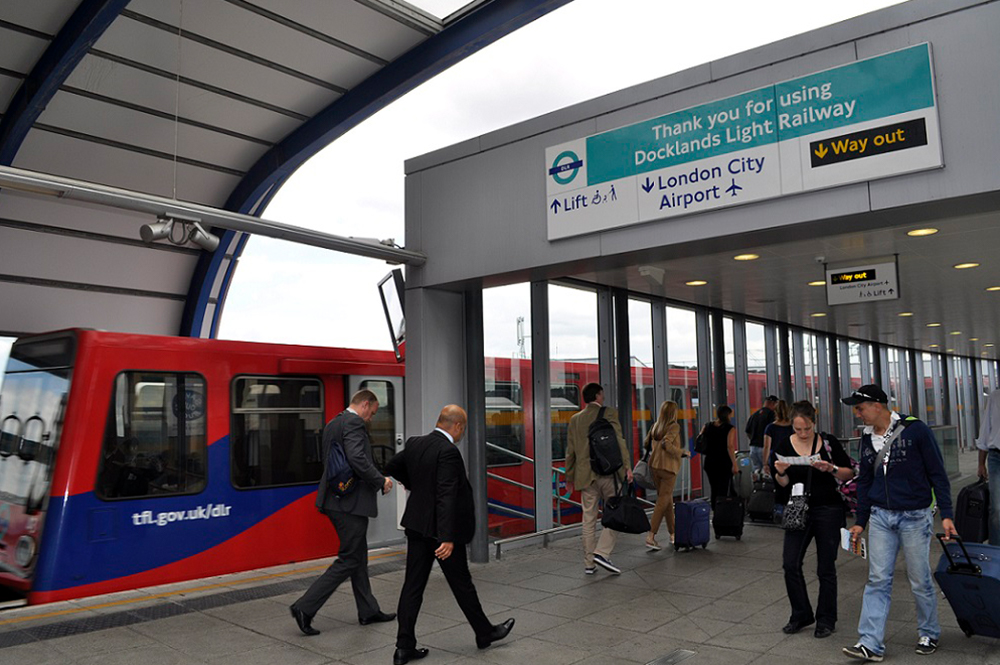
{"x":824,"y":631}
{"x":500,"y":631}
{"x":304,"y":621}
{"x":793,"y":627}
{"x":377,"y":618}
{"x":403,"y":656}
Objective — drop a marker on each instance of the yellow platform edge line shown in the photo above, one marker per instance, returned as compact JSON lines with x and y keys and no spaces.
{"x":167,"y":594}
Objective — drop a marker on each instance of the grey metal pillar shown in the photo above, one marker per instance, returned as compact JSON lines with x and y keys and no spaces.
{"x":704,"y":341}
{"x":951,"y":391}
{"x":940,"y":401}
{"x":541,"y":382}
{"x":740,"y":365}
{"x":919,"y":385}
{"x":623,"y":365}
{"x":826,"y":407}
{"x":786,"y":364}
{"x":969,"y":438}
{"x":864,"y":352}
{"x":475,"y":386}
{"x":718,"y":361}
{"x":882,"y":372}
{"x":606,"y":345}
{"x":661,"y":364}
{"x":799,"y":366}
{"x":771,"y":358}
{"x":846,"y":420}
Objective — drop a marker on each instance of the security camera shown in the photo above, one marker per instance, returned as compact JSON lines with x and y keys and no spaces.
{"x":821,"y":259}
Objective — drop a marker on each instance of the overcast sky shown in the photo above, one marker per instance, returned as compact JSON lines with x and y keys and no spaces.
{"x":287,"y":293}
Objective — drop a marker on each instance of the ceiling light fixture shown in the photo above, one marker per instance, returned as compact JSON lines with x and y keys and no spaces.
{"x":920,"y":233}
{"x":973,"y":339}
{"x":987,"y":345}
{"x":696,"y":282}
{"x":933,"y":325}
{"x":932,"y":346}
{"x":955,"y":332}
{"x":993,"y":288}
{"x":966,"y":266}
{"x":746,"y":257}
{"x":950,"y":350}
{"x":817,"y":314}
{"x":191,"y":230}
{"x":818,"y":282}
{"x":905,"y":314}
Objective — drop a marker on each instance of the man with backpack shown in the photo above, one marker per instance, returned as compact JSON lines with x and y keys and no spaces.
{"x":597,"y":459}
{"x":900,"y":467}
{"x":349,"y":503}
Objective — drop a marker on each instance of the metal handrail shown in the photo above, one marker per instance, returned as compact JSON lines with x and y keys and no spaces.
{"x":502,"y":479}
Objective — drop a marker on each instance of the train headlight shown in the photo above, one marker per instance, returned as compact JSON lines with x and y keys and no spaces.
{"x":24,"y":551}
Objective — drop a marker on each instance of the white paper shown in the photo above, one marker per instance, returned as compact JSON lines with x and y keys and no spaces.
{"x":802,"y":460}
{"x":798,"y":489}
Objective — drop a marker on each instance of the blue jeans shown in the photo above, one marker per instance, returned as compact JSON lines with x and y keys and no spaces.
{"x":757,"y":458}
{"x":993,"y":469}
{"x":888,"y":532}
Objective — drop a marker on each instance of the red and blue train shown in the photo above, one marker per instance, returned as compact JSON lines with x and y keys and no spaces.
{"x":128,"y":461}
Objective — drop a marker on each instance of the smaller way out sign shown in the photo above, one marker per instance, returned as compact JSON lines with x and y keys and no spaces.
{"x":863,"y":283}
{"x":868,"y":143}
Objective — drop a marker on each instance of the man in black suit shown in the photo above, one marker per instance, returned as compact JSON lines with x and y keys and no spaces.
{"x":349,"y":514}
{"x":439,"y":522}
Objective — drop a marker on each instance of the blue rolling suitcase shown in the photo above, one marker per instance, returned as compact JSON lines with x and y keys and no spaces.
{"x":969,"y":577}
{"x":691,"y":518}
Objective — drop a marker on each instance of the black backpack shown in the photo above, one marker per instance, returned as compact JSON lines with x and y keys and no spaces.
{"x":340,"y":479}
{"x":605,"y":455}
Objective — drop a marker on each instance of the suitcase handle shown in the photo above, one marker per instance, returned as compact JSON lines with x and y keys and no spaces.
{"x":967,"y":568}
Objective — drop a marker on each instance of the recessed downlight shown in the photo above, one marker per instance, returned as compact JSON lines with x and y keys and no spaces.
{"x":987,"y":345}
{"x":933,"y":325}
{"x":993,"y":288}
{"x":818,"y":282}
{"x":950,"y":350}
{"x":973,"y":339}
{"x":955,"y":332}
{"x":932,"y":346}
{"x":920,"y":233}
{"x":966,"y":266}
{"x":905,"y":314}
{"x":746,"y":257}
{"x":817,"y":315}
{"x":696,"y":282}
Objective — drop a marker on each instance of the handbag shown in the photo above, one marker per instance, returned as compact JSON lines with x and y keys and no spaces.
{"x":701,"y":443}
{"x":796,"y":515}
{"x":623,"y":512}
{"x":642,"y":474}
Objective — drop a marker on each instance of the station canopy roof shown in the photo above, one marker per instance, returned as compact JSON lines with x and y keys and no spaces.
{"x":212,"y":102}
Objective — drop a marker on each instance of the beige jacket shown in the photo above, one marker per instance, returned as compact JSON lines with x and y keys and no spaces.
{"x":578,"y":470}
{"x":666,"y":455}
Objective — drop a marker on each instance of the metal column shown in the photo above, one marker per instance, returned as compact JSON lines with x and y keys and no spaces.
{"x":541,"y":382}
{"x":606,"y":345}
{"x":661,"y":364}
{"x":846,"y":421}
{"x":475,"y":385}
{"x":623,"y":366}
{"x":826,"y":418}
{"x":919,"y":391}
{"x":940,"y":401}
{"x":718,"y":361}
{"x":704,"y":340}
{"x":786,"y":364}
{"x":798,"y":366}
{"x":771,"y":358}
{"x":741,"y":380}
{"x":864,"y":352}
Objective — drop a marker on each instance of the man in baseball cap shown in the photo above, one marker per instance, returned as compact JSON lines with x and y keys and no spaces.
{"x":900,"y":465}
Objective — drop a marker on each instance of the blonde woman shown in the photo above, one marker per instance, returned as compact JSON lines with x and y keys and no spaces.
{"x":664,"y":442}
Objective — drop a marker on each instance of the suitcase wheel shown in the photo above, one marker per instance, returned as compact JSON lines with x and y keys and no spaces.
{"x":704,"y":545}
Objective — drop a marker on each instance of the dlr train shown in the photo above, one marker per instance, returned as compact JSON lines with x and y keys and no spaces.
{"x":129,"y":461}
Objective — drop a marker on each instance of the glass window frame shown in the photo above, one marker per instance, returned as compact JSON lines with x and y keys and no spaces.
{"x":110,"y":412}
{"x":234,"y":412}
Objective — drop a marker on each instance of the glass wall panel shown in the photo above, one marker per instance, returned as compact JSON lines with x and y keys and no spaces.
{"x":930,"y":390}
{"x":510,"y":472}
{"x":857,"y":349}
{"x":573,"y":353}
{"x":682,"y":357}
{"x":756,"y":365}
{"x":644,"y":406}
{"x":810,"y":370}
{"x":895,"y":398}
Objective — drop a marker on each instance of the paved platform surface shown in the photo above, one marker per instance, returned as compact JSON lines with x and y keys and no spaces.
{"x":726,"y":604}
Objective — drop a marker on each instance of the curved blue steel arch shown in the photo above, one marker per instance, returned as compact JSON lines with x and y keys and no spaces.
{"x":481,"y":28}
{"x":83,"y":28}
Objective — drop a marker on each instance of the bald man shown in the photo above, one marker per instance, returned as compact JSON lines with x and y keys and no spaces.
{"x":439,"y":523}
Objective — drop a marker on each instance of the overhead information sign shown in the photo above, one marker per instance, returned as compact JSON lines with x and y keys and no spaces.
{"x":869,"y":119}
{"x":864,"y":283}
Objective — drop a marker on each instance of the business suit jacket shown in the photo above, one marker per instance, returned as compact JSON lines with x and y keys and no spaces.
{"x":349,"y":429}
{"x":578,"y":469}
{"x":440,"y":504}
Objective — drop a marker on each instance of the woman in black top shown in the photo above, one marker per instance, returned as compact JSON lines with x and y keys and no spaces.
{"x":825,"y":519}
{"x":720,"y":460}
{"x":775,"y":434}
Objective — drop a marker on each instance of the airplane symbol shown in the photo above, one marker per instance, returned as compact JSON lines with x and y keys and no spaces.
{"x":732,"y":189}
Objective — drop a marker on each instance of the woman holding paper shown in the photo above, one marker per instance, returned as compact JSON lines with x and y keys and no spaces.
{"x":810,"y":465}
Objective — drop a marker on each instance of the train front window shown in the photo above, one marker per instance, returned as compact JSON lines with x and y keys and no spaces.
{"x":32,"y":405}
{"x":276,"y":432}
{"x":155,"y":441}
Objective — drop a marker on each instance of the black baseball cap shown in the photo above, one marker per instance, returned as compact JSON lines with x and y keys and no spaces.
{"x":771,"y":398}
{"x":869,"y":393}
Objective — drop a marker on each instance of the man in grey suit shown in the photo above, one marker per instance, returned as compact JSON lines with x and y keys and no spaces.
{"x":349,"y":514}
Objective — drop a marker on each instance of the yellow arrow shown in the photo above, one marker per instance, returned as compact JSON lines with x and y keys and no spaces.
{"x":821,"y":151}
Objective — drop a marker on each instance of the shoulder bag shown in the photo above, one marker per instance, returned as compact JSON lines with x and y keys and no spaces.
{"x":642,"y":474}
{"x":796,"y":515}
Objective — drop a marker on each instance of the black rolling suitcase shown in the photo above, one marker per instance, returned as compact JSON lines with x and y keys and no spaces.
{"x":969,"y":577}
{"x":727,"y":518}
{"x":761,"y":504}
{"x":972,"y":512}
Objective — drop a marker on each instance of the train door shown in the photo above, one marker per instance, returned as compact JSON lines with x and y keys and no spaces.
{"x":387,"y":437}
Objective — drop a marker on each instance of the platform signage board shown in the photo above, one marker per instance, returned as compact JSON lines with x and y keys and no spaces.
{"x":862,"y":283}
{"x":865,"y":120}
